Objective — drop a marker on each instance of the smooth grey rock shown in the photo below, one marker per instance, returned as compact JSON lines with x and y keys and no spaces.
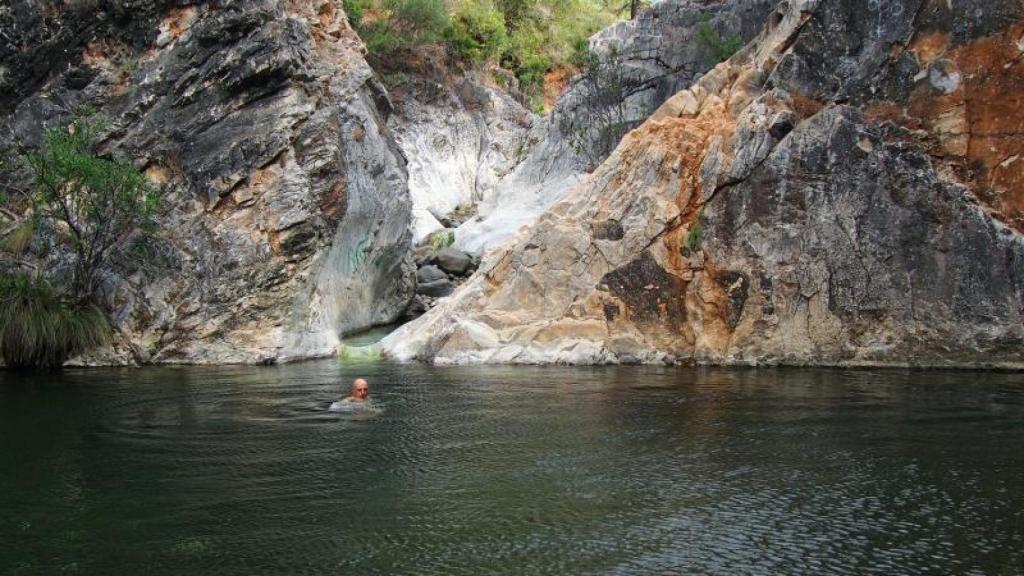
{"x":453,"y":261}
{"x":461,"y":137}
{"x":436,"y":289}
{"x":429,"y":274}
{"x":424,"y":255}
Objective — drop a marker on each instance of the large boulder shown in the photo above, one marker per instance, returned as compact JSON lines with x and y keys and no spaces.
{"x":430,"y":274}
{"x":454,"y":261}
{"x":436,"y":289}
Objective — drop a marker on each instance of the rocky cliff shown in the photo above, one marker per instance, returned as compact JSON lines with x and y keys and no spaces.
{"x":472,"y":146}
{"x":285,"y":200}
{"x":845,"y":190}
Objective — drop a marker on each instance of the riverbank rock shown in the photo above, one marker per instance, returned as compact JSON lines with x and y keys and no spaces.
{"x":435,"y":289}
{"x":840,"y":192}
{"x":430,"y":274}
{"x":285,"y":217}
{"x":454,"y":261}
{"x":435,"y":282}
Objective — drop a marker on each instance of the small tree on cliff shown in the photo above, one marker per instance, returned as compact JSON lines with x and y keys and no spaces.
{"x":98,"y":206}
{"x":600,"y":115}
{"x":102,"y":203}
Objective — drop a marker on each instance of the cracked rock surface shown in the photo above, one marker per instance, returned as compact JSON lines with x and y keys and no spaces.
{"x":285,"y":212}
{"x":529,"y":163}
{"x":840,"y":192}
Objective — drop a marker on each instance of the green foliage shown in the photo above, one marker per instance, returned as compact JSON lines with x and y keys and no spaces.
{"x":355,"y":9}
{"x":695,"y":237}
{"x":387,"y":26}
{"x":525,"y":57}
{"x":40,"y":328}
{"x":531,"y":71}
{"x":477,"y":32}
{"x":528,"y":37}
{"x":721,"y":49}
{"x":103,"y":203}
{"x":549,"y":34}
{"x":442,"y":239}
{"x":516,"y":11}
{"x":580,"y":56}
{"x":17,"y":240}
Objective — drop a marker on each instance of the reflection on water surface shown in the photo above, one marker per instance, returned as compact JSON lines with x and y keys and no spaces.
{"x":511,"y":470}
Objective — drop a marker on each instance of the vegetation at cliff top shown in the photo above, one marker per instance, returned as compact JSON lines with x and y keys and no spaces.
{"x":531,"y":38}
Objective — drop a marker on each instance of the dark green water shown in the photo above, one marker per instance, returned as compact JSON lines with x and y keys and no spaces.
{"x":511,"y":471}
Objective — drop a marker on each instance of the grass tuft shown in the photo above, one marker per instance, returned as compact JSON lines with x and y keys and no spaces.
{"x":39,"y":328}
{"x":442,"y":239}
{"x":18,"y":240}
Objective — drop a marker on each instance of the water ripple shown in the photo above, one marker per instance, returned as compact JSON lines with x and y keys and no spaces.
{"x":511,"y":470}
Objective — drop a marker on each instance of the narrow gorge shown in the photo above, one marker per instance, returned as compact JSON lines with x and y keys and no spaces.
{"x":844,"y":190}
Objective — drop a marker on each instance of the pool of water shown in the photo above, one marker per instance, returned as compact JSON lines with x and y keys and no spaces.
{"x":511,"y":470}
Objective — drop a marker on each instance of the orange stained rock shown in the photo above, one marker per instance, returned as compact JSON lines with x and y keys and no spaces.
{"x":981,"y":122}
{"x":178,"y":20}
{"x":929,"y":46}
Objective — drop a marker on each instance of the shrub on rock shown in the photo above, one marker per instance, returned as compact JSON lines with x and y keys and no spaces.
{"x":39,"y":327}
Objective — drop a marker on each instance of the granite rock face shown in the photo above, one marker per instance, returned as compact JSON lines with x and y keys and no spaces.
{"x":655,"y":56}
{"x":461,"y":136}
{"x":844,"y":191}
{"x":285,"y":208}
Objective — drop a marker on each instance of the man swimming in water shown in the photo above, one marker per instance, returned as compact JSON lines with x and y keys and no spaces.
{"x":360,"y":391}
{"x":360,"y":394}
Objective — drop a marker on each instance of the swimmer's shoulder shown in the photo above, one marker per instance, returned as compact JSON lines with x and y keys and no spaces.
{"x":339,"y":405}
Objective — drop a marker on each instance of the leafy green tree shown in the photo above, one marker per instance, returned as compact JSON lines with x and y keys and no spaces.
{"x":102,"y":208}
{"x":600,"y":115}
{"x":103,"y":203}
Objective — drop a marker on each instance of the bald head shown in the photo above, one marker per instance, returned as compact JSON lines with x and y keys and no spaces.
{"x":360,"y":389}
